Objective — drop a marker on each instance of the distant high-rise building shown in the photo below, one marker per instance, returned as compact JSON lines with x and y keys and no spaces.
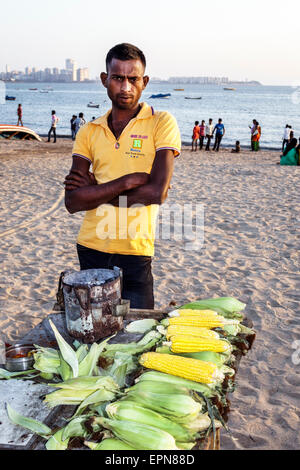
{"x":82,"y":74}
{"x":27,"y":70}
{"x":71,"y":66}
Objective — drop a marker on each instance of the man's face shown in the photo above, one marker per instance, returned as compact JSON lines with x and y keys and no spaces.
{"x":125,"y":82}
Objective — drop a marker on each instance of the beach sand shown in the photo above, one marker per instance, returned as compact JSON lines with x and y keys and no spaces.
{"x":250,"y":251}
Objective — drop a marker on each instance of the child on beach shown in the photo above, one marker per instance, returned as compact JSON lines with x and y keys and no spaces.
{"x":196,"y":136}
{"x":237,"y":148}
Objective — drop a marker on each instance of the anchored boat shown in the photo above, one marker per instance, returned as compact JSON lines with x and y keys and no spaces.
{"x":161,"y":95}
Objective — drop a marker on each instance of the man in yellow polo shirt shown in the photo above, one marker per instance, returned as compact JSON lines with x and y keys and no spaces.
{"x":131,"y":149}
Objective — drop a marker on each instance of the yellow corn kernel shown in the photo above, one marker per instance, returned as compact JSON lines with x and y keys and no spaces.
{"x":191,"y":369}
{"x":191,"y":331}
{"x":198,"y":321}
{"x":194,"y":344}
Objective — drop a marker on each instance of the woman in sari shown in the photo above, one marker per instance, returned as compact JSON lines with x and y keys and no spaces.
{"x":291,"y":154}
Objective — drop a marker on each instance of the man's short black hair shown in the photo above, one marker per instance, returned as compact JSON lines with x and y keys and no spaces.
{"x":125,"y":51}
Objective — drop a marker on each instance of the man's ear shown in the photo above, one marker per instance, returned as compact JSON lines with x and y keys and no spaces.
{"x":146,"y":80}
{"x":103,"y":77}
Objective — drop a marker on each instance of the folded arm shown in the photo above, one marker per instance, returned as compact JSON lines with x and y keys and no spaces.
{"x":82,"y":193}
{"x":155,"y":191}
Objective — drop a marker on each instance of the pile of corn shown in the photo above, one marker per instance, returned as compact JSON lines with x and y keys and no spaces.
{"x":170,"y":405}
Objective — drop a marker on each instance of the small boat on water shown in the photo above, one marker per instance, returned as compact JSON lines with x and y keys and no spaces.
{"x":178,"y":89}
{"x":32,"y":89}
{"x":161,"y":95}
{"x":93,"y":105}
{"x":44,"y":91}
{"x":10,"y":98}
{"x":191,"y":98}
{"x":18,"y":132}
{"x":230,"y":89}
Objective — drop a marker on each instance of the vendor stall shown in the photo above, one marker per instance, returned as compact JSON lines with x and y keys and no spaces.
{"x":161,"y":381}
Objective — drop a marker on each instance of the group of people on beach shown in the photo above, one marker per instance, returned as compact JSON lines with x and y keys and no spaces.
{"x":76,"y":123}
{"x":207,"y":131}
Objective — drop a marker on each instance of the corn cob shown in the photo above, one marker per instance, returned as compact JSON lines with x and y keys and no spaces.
{"x":199,"y":321}
{"x":191,"y":331}
{"x":191,"y":369}
{"x":140,"y":436}
{"x":132,"y":411}
{"x":192,"y":344}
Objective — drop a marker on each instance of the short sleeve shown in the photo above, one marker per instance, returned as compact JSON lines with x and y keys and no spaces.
{"x":167,"y":134}
{"x":81,"y":147}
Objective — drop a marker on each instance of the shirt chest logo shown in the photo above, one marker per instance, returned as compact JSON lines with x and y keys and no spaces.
{"x":137,"y":144}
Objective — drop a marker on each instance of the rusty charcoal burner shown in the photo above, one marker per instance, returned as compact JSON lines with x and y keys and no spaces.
{"x":93,"y":305}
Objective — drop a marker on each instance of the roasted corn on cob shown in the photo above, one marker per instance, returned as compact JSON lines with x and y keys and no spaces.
{"x":191,"y":344}
{"x":191,"y":369}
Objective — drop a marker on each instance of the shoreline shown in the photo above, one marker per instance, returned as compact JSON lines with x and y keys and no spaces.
{"x":186,"y":144}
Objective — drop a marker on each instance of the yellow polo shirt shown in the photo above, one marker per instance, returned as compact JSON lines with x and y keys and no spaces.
{"x":128,"y":231}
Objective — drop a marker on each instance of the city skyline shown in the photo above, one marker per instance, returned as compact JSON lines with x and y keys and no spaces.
{"x":204,"y":39}
{"x":71,"y":73}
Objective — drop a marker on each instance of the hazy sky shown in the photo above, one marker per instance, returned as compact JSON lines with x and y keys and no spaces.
{"x":257,"y":40}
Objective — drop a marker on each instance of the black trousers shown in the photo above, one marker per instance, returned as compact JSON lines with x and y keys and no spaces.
{"x":137,"y":274}
{"x":201,"y":141}
{"x":209,"y":137}
{"x":52,"y":129}
{"x":218,"y":141}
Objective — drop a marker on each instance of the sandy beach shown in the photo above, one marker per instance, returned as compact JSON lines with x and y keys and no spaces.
{"x":251,"y":251}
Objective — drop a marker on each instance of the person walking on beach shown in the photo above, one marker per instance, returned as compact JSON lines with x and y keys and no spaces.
{"x":220,"y":132}
{"x":79,"y":122}
{"x":72,"y":122}
{"x":196,"y":136}
{"x":209,"y":129}
{"x":20,"y":115}
{"x":202,"y":135}
{"x":286,"y":136}
{"x":54,"y":121}
{"x":131,"y":149}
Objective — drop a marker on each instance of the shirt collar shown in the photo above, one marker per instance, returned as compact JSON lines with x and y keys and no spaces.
{"x":145,"y":112}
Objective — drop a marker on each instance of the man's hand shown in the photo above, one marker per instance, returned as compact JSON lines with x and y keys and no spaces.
{"x":134,"y":180}
{"x":78,"y":179}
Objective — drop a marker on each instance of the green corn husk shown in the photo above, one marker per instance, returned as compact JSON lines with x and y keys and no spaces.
{"x":140,"y":436}
{"x":81,"y":351}
{"x":161,"y":377}
{"x":201,"y":423}
{"x":131,"y":411}
{"x":56,"y":442}
{"x":229,"y":307}
{"x":5,"y":374}
{"x":157,"y":387}
{"x":28,"y":423}
{"x":97,"y":396}
{"x":75,"y":428}
{"x":146,"y":343}
{"x":64,"y":370}
{"x":232,"y":330}
{"x":67,"y":352}
{"x":66,"y":397}
{"x":141,"y":326}
{"x":109,"y":444}
{"x":123,"y":365}
{"x":88,"y":364}
{"x":87,"y":383}
{"x":47,"y":360}
{"x":178,"y":407}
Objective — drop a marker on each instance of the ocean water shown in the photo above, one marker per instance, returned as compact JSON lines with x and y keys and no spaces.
{"x":273,"y":107}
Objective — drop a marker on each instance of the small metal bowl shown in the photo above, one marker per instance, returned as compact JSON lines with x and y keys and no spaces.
{"x":18,"y":364}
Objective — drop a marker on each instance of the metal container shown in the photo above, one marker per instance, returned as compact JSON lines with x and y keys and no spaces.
{"x":17,"y":364}
{"x":93,"y":305}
